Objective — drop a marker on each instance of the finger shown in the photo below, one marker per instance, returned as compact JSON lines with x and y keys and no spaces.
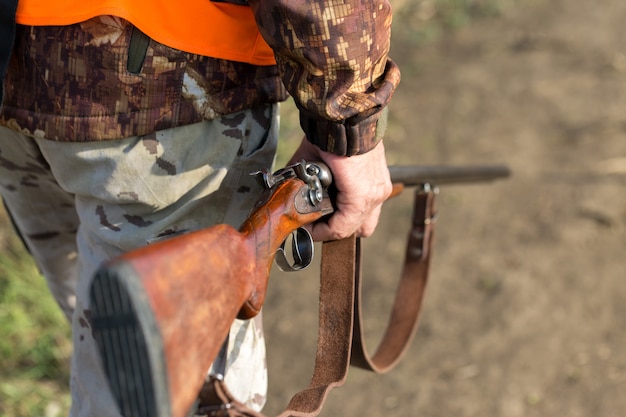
{"x":335,"y":227}
{"x":370,"y":223}
{"x":340,"y":225}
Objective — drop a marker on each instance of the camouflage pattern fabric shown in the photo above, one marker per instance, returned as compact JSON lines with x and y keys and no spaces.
{"x":43,"y":213}
{"x":70,"y":83}
{"x":79,"y":204}
{"x":333,"y":57}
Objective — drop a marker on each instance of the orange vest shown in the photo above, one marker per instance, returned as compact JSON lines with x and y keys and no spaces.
{"x":218,"y":30}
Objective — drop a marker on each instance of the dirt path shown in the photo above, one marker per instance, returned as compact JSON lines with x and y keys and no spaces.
{"x":526,"y":310}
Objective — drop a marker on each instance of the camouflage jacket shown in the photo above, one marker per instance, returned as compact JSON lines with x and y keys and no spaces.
{"x":72,"y":83}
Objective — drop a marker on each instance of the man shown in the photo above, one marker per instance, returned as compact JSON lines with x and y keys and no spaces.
{"x":127,"y":122}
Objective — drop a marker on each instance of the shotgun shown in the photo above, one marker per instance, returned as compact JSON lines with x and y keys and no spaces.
{"x":191,"y":287}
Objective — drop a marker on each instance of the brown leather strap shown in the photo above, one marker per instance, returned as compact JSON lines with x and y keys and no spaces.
{"x":340,"y":339}
{"x":405,"y":314}
{"x":336,"y":321}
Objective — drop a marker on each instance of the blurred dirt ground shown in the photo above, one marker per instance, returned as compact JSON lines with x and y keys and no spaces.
{"x":526,"y":307}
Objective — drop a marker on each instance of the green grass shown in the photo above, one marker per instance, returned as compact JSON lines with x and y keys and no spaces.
{"x":35,"y":343}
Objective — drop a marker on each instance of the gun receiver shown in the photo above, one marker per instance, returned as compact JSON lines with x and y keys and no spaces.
{"x":160,"y":314}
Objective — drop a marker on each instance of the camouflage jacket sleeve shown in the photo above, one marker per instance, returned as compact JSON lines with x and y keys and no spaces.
{"x":333,"y":59}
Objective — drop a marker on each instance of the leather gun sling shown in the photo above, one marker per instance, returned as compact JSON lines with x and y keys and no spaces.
{"x":7,"y":37}
{"x":340,"y":339}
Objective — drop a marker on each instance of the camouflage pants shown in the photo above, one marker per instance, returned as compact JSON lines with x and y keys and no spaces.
{"x":78,"y":204}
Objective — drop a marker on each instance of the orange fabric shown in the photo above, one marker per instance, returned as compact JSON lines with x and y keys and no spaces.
{"x":218,"y":30}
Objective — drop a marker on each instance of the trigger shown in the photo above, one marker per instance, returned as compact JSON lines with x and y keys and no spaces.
{"x":301,"y":251}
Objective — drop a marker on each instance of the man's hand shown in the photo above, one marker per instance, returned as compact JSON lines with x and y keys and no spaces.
{"x":362,"y":183}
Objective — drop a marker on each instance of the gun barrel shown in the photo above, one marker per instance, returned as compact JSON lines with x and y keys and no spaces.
{"x":442,"y":174}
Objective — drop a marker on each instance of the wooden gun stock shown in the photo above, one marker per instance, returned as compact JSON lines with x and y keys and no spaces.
{"x":161,"y":313}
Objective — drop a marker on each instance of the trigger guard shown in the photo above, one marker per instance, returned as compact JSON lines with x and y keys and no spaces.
{"x":301,"y":250}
